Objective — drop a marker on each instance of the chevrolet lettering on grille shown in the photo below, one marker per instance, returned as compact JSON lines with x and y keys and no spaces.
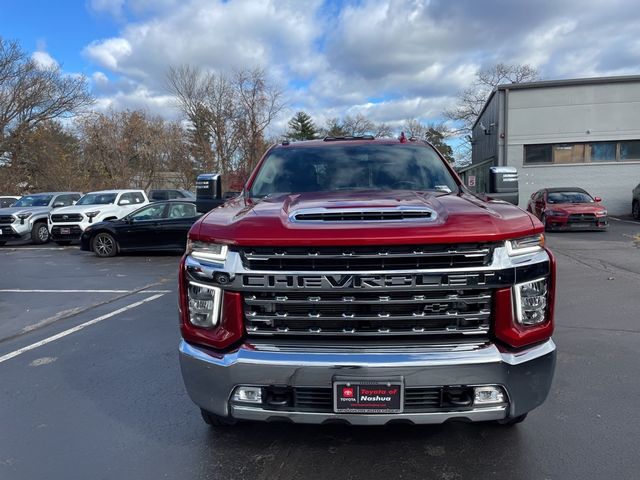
{"x":367,"y":281}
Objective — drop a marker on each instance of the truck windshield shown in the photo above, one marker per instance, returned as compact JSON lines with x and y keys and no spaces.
{"x":34,"y":201}
{"x":352,"y":167}
{"x":97,"y":199}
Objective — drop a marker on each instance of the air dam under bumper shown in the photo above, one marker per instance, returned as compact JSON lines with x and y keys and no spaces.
{"x":211,"y":377}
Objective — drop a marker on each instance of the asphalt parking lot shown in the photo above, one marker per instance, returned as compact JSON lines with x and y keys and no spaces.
{"x":90,"y":385}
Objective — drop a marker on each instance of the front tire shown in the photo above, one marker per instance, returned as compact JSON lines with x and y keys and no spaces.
{"x":635,"y":209}
{"x":543,"y":219}
{"x":104,"y":245}
{"x":39,"y":233}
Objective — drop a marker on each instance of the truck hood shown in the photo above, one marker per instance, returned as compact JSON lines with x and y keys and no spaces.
{"x":84,"y":208}
{"x":17,"y":210}
{"x":458,"y":218}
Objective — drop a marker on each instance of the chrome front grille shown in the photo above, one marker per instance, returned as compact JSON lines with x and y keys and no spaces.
{"x":66,"y":217}
{"x":396,"y":257}
{"x":387,"y":313}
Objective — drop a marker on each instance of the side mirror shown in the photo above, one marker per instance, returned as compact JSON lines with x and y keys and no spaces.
{"x":598,"y":199}
{"x":503,"y":184}
{"x":58,"y":205}
{"x":208,"y":192}
{"x":124,"y":202}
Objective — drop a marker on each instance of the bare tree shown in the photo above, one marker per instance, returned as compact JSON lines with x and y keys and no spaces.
{"x":471,"y":100}
{"x":334,"y":128}
{"x":434,"y":133}
{"x":31,"y":94}
{"x":356,"y":126}
{"x":228,"y":116}
{"x":259,"y":103}
{"x":414,"y":128}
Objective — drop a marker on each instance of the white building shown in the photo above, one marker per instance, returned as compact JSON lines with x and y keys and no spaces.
{"x":565,"y":133}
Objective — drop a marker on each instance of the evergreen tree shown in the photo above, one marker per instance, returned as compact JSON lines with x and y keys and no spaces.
{"x":301,"y":127}
{"x":436,"y":138}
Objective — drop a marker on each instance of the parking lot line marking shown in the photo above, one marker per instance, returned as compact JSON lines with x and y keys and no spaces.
{"x":77,"y":328}
{"x":624,"y":220}
{"x":20,"y":290}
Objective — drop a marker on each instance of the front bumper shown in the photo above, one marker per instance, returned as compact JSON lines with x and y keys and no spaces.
{"x":210,"y":377}
{"x":563,"y":223}
{"x":17,"y":230}
{"x":74,"y":231}
{"x":8,"y":232}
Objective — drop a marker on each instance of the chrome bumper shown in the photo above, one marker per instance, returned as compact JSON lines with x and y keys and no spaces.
{"x":210,"y":377}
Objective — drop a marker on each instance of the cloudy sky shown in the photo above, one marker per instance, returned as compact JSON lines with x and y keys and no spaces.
{"x":388,"y":59}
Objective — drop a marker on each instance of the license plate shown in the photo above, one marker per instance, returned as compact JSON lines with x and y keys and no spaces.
{"x":581,"y":224}
{"x":65,"y":231}
{"x":366,"y":396}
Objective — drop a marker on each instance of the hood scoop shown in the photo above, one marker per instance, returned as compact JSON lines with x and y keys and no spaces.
{"x":367,"y":214}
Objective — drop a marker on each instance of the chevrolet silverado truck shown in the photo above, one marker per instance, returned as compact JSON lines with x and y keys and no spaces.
{"x":27,"y":217}
{"x":356,"y":280}
{"x":67,"y":224}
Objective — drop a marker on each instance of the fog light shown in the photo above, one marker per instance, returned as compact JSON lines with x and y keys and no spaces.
{"x":531,"y":302}
{"x":487,"y":395}
{"x":204,"y":304}
{"x":248,"y":395}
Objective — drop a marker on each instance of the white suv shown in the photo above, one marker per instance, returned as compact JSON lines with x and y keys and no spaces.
{"x":67,"y":224}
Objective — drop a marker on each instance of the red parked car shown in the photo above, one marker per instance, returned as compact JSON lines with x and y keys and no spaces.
{"x":568,"y":208}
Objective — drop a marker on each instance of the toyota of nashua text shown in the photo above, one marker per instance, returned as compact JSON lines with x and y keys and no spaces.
{"x":357,"y":280}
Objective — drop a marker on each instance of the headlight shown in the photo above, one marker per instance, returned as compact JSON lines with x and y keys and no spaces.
{"x":23,"y":217}
{"x":531,"y":302}
{"x":522,"y":246}
{"x":554,"y":213}
{"x":207,"y":251}
{"x":204,"y":304}
{"x":93,"y":214}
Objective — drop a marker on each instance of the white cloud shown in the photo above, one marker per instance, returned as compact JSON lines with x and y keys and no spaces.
{"x":111,"y":7}
{"x":388,"y":59}
{"x":43,"y":59}
{"x":109,"y":53}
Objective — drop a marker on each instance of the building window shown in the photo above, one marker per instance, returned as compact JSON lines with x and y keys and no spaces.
{"x":592,"y":152}
{"x":568,"y":153}
{"x":630,"y":150}
{"x":603,"y":151}
{"x":535,"y":154}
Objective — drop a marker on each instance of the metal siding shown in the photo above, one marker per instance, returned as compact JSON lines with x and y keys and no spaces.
{"x":486,"y":146}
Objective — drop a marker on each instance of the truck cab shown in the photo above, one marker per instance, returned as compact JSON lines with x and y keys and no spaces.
{"x":355,"y":280}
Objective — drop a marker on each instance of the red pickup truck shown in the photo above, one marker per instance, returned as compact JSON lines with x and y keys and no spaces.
{"x":355,"y":280}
